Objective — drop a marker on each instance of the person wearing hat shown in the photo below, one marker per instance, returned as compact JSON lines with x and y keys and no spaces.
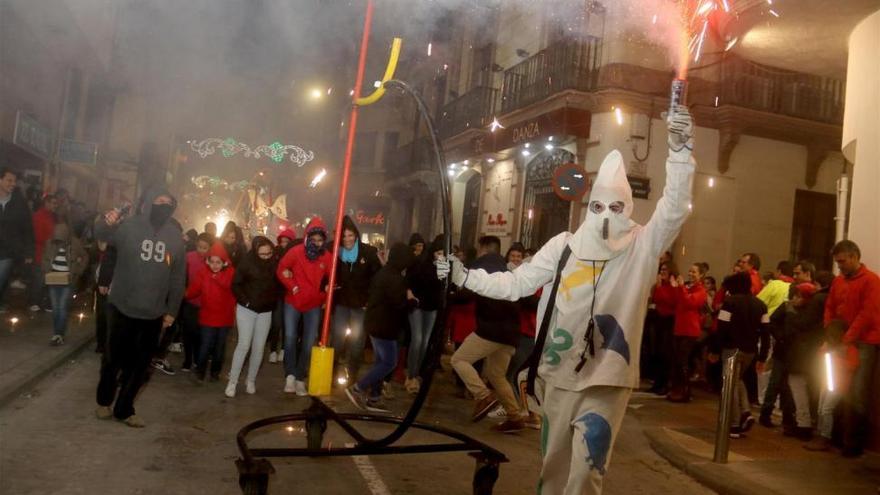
{"x":592,"y":311}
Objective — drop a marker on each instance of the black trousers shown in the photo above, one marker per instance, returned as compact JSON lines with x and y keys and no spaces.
{"x":189,"y":327}
{"x":679,"y":371}
{"x":664,"y":350}
{"x":124,"y":365}
{"x":100,"y":321}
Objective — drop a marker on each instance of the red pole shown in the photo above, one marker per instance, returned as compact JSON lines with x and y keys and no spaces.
{"x":346,"y":169}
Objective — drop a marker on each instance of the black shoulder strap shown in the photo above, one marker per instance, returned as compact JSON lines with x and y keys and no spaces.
{"x":535,"y":358}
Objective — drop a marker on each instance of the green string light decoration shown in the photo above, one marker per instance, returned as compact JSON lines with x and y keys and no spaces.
{"x":230,"y":147}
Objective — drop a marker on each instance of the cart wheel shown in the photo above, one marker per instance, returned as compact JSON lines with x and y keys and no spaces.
{"x":254,"y":485}
{"x":315,"y":432}
{"x":484,"y":478}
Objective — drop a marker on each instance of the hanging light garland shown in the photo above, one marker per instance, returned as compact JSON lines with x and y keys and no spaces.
{"x":229,"y":147}
{"x":214,"y":182}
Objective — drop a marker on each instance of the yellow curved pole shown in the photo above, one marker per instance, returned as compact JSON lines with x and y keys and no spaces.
{"x":389,"y":74}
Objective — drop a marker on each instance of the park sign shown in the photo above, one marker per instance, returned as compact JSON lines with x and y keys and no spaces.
{"x":72,"y":151}
{"x":30,"y":135}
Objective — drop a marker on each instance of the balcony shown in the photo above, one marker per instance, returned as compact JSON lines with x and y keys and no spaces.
{"x":563,"y":65}
{"x":472,"y":110}
{"x":769,"y":89}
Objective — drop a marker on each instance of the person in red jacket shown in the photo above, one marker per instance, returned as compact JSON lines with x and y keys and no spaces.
{"x":663,"y":300}
{"x":44,"y":225}
{"x":855,"y":300}
{"x":217,"y":311}
{"x":690,"y":298}
{"x":305,"y":272}
{"x":751,"y":264}
{"x":196,"y":263}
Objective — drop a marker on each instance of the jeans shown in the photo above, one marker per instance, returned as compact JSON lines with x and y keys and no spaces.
{"x":60,"y":297}
{"x":189,"y":325}
{"x":800,"y":394}
{"x":421,"y":323}
{"x":497,"y":358}
{"x":298,"y":364}
{"x":275,"y":331}
{"x":520,"y":357}
{"x":861,"y":393}
{"x":253,"y":329}
{"x":126,"y":360}
{"x":345,"y":318}
{"x":385,"y":352}
{"x":740,"y":401}
{"x":5,"y":273}
{"x":213,"y":344}
{"x":778,"y":386}
{"x":36,"y":294}
{"x":828,"y":402}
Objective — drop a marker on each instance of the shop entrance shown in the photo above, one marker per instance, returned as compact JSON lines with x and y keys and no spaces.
{"x":471,"y":212}
{"x":544,"y":214}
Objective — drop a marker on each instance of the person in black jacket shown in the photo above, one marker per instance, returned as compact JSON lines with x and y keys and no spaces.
{"x":495,"y":340}
{"x":286,"y":241}
{"x":358,"y":264}
{"x":106,"y":263}
{"x":425,"y":292}
{"x":256,"y":290}
{"x":384,"y":319}
{"x":741,"y":323}
{"x":16,"y":228}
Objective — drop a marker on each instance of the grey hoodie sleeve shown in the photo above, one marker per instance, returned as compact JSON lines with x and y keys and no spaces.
{"x":176,"y":285}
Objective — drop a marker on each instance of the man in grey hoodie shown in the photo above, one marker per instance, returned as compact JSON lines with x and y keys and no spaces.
{"x":146,"y":291}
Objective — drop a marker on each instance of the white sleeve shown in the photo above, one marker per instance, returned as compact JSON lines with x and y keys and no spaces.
{"x":673,"y":208}
{"x":525,"y":280}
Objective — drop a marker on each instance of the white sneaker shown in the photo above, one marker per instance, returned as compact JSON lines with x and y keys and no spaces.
{"x":301,"y":389}
{"x":251,"y":388}
{"x":34,"y":308}
{"x":230,"y":389}
{"x":289,"y":384}
{"x":17,"y":284}
{"x":273,"y":357}
{"x":498,"y":413}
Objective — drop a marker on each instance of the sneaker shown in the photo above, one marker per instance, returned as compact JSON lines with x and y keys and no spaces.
{"x":17,"y":284}
{"x":818,"y":444}
{"x":412,"y":385}
{"x":186,"y":368}
{"x":765,"y":421}
{"x":799,"y":432}
{"x":164,"y":366}
{"x":387,"y":393}
{"x":230,"y":390}
{"x":290,"y":384}
{"x":273,"y":357}
{"x":376,"y":405}
{"x":176,"y":348}
{"x":251,"y":388}
{"x":498,"y":413}
{"x":746,"y":422}
{"x":48,"y":310}
{"x":533,"y":421}
{"x":134,"y":421}
{"x":301,"y":389}
{"x":483,"y":406}
{"x":512,"y":425}
{"x":34,"y":308}
{"x":736,"y":432}
{"x":103,"y":412}
{"x":356,"y":397}
{"x":56,"y":340}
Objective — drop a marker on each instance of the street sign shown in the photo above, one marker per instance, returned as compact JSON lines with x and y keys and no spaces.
{"x":641,"y":186}
{"x":78,"y":151}
{"x":570,"y":182}
{"x":32,"y":136}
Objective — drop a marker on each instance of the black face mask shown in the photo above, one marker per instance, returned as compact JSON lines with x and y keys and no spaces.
{"x":159,"y":214}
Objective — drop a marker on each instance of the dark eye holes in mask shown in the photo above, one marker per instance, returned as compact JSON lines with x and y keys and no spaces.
{"x":598,"y":207}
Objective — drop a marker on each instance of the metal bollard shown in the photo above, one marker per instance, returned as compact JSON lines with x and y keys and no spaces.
{"x":722,"y":431}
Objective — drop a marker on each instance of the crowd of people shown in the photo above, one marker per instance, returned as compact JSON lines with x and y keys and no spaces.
{"x":813,"y":337}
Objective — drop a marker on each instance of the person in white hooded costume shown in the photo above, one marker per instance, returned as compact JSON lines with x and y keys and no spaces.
{"x":590,"y":360}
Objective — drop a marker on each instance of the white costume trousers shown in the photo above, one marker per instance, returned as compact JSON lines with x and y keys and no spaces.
{"x":578,"y":433}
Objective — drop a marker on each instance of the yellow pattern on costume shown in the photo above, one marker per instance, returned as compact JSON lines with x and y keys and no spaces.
{"x":585,"y":273}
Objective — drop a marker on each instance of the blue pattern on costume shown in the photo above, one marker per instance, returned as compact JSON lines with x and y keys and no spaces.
{"x":611,"y":331}
{"x":597,"y":437}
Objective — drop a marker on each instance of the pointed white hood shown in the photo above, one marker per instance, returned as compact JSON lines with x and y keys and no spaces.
{"x":606,"y":233}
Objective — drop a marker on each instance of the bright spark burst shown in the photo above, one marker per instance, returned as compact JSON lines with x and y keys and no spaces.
{"x":318,"y":178}
{"x":495,"y":125}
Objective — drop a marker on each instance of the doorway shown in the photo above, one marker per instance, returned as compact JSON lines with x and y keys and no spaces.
{"x":812,"y":229}
{"x":471,"y":211}
{"x":544,"y":215}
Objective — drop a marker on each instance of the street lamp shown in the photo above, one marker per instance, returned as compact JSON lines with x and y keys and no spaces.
{"x":316,"y":94}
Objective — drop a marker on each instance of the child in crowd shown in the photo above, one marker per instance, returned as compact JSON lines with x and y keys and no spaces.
{"x":217,"y":311}
{"x":384,"y":320}
{"x":196,"y":263}
{"x":64,"y":261}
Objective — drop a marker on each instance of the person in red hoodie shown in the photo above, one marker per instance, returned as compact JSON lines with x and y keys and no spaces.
{"x":305,"y":273}
{"x":217,"y":311}
{"x":854,"y":300}
{"x":690,"y":300}
{"x":44,"y":225}
{"x":664,"y":300}
{"x":196,"y":263}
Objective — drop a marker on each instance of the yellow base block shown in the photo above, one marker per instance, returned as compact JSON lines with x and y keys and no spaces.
{"x":321,"y":371}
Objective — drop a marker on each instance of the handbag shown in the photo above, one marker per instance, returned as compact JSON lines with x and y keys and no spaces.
{"x":58,"y":278}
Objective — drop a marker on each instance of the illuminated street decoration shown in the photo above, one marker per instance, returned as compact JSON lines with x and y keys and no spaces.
{"x":229,"y":147}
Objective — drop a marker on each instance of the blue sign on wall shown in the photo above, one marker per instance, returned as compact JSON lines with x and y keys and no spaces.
{"x":32,"y":136}
{"x":78,"y":151}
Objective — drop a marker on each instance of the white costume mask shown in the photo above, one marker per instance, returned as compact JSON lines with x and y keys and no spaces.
{"x":607,"y":229}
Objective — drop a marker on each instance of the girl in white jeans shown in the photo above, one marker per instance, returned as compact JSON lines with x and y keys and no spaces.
{"x":257,"y":292}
